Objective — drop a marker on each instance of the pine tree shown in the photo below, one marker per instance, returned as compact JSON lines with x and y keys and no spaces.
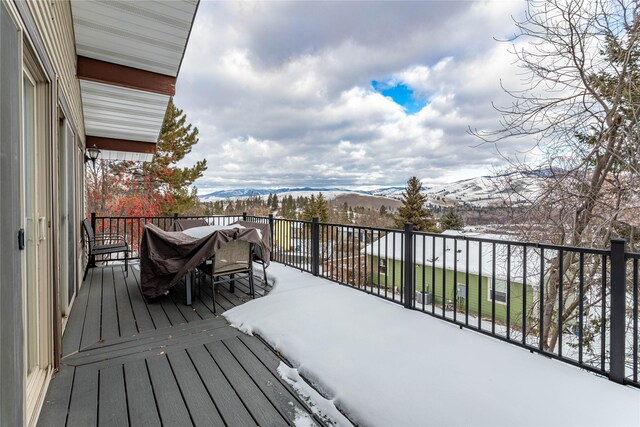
{"x":161,"y":177}
{"x":451,"y":220}
{"x":413,"y":210}
{"x":288,"y":207}
{"x":344,"y":214}
{"x":274,"y":202}
{"x":309,"y":209}
{"x":316,"y":207}
{"x":175,"y":142}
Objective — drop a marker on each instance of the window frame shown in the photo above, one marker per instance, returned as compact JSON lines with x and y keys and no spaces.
{"x":498,"y":292}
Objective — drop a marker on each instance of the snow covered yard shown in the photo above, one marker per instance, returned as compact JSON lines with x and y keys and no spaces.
{"x":384,"y":365}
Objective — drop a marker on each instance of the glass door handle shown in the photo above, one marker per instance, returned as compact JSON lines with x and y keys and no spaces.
{"x":42,"y":225}
{"x":21,"y":239}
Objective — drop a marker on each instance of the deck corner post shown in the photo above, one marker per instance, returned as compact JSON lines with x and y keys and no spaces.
{"x":618,"y":309}
{"x":408,"y":284}
{"x":244,"y":216}
{"x":315,"y":246}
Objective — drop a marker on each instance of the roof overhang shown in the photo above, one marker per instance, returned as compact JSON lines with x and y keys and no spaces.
{"x":129,"y":56}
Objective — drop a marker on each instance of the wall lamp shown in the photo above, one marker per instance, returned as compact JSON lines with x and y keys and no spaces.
{"x":92,"y":154}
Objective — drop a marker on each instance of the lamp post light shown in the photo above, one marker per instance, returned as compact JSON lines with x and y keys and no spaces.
{"x":92,"y":154}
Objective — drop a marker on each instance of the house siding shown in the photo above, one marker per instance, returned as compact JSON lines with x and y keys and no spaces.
{"x":424,"y":277}
{"x":54,"y":22}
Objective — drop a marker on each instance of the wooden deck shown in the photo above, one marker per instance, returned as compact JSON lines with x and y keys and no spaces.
{"x":126,"y":362}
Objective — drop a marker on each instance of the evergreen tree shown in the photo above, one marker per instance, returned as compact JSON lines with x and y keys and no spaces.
{"x":274,"y":203}
{"x":309,"y":208}
{"x":322,"y":208}
{"x":451,"y":220}
{"x":156,"y":187}
{"x":288,"y":208}
{"x":177,"y":137}
{"x":344,"y":214}
{"x":316,"y":207}
{"x":413,"y":208}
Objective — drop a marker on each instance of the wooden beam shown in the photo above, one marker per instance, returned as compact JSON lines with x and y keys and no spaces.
{"x":120,"y":75}
{"x":126,"y":145}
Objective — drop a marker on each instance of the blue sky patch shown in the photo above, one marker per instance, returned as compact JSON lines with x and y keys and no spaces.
{"x":401,"y":94}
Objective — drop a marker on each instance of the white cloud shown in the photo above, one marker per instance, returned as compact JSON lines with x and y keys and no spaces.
{"x":281,"y":91}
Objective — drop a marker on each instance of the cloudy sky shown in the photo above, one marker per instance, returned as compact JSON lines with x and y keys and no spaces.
{"x":346,"y":93}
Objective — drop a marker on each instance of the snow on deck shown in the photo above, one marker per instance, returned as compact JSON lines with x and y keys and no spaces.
{"x":384,"y":365}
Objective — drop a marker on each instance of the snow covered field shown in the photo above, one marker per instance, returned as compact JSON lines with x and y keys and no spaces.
{"x":384,"y":365}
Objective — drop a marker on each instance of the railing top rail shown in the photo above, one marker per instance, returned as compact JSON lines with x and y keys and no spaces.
{"x":166,"y":216}
{"x":361,"y":227}
{"x":301,"y":221}
{"x":632,"y":255}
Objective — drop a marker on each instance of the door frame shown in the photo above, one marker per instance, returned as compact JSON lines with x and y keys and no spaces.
{"x":43,"y":269}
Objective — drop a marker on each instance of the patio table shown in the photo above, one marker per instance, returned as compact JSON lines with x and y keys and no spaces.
{"x":166,"y":256}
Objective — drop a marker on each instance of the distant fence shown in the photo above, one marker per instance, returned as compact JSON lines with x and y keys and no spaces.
{"x":577,"y":305}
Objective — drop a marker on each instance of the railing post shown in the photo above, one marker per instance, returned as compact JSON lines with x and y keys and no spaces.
{"x":618,"y":309}
{"x":408,"y":265}
{"x":315,"y":246}
{"x":244,"y":216}
{"x":273,"y":244}
{"x":175,"y":215}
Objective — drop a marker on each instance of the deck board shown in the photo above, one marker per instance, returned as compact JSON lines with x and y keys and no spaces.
{"x":270,"y":384}
{"x":110,"y":327}
{"x":173,"y":411}
{"x":140,"y":399}
{"x":91,"y":330}
{"x":172,"y":312}
{"x":229,"y":404}
{"x":131,"y":362}
{"x":112,"y":397}
{"x":159,"y":347}
{"x":140,"y":309}
{"x":202,"y":409}
{"x":126,"y":317}
{"x":157,"y":314}
{"x":260,"y":407}
{"x":56,"y":405}
{"x":83,"y":408}
{"x":75,"y":323}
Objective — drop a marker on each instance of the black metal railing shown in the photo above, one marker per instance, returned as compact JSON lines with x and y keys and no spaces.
{"x":132,"y":227}
{"x":577,"y":305}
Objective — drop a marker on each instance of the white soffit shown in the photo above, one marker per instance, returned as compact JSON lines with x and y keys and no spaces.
{"x":149,"y":35}
{"x":122,"y":113}
{"x":125,"y":155}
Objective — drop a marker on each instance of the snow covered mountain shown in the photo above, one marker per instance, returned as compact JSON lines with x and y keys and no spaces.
{"x":328,"y":193}
{"x":486,"y":191}
{"x":510,"y":188}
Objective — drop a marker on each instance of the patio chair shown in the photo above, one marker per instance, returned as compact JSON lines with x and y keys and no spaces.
{"x":103,"y":244}
{"x":185,"y":224}
{"x":231,"y":259}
